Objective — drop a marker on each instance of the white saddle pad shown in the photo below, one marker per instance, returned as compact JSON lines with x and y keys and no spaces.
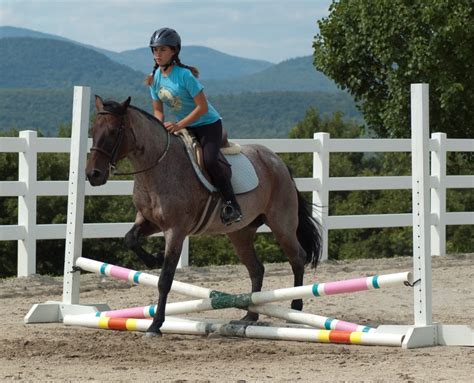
{"x":244,"y":177}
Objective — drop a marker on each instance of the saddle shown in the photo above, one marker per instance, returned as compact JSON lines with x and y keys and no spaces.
{"x":192,"y":143}
{"x":244,"y":177}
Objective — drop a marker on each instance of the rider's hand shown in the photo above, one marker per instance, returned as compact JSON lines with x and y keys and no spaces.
{"x":172,"y":127}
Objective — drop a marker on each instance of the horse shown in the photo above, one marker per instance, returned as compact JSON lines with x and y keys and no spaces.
{"x":169,"y":198}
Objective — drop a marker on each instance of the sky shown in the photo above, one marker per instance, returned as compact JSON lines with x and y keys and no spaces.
{"x":272,"y":30}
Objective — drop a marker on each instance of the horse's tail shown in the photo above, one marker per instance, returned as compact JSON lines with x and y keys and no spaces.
{"x":308,"y":231}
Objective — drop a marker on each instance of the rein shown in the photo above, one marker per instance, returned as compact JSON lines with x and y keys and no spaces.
{"x":113,"y":156}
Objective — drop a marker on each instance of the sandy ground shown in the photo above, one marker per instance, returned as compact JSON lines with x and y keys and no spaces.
{"x":54,"y":352}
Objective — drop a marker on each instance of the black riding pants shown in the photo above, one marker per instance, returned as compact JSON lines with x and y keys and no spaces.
{"x":210,"y":138}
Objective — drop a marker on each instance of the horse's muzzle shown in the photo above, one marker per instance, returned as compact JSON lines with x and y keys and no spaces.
{"x":96,"y":177}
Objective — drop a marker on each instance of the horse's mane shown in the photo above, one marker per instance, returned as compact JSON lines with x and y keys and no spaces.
{"x":117,"y":108}
{"x":148,"y":116}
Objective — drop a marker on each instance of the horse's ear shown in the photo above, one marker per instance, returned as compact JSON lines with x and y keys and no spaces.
{"x":126,"y":103}
{"x":99,"y":103}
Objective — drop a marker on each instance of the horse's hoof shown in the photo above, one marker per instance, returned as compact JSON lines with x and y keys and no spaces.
{"x":152,"y":334}
{"x":250,"y":317}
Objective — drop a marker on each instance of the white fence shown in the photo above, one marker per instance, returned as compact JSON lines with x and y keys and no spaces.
{"x":28,"y":188}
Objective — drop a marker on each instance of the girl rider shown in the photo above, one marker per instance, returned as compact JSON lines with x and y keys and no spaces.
{"x":176,"y":85}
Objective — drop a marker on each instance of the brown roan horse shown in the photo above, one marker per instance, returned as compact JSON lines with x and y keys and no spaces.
{"x":169,"y":198}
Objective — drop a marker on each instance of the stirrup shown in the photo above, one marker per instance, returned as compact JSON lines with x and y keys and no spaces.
{"x":230,"y":213}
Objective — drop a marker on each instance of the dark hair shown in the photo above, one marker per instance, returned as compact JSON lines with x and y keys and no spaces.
{"x":175,"y":59}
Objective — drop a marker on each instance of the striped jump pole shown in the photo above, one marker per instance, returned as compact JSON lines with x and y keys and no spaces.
{"x":221,"y":300}
{"x":138,"y":277}
{"x":240,"y":330}
{"x":294,"y":316}
{"x":252,"y":301}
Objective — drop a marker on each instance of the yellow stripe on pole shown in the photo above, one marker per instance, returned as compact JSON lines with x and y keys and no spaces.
{"x":131,"y":324}
{"x":356,"y":337}
{"x":104,"y":322}
{"x":323,"y":336}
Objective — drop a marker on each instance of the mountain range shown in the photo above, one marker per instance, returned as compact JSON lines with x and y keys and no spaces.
{"x":40,"y":70}
{"x":215,"y":65}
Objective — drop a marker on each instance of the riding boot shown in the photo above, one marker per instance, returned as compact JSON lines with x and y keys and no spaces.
{"x":231,"y":211}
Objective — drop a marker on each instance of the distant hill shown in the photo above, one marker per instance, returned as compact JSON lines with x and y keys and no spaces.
{"x":221,"y":73}
{"x":61,"y":63}
{"x":7,"y":31}
{"x":296,"y":74}
{"x":247,"y":115}
{"x":211,"y":63}
{"x":44,"y":63}
{"x":37,"y":75}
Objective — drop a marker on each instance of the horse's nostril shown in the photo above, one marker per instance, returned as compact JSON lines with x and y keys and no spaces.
{"x":94,"y":173}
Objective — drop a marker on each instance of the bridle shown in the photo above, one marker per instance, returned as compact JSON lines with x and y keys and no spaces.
{"x":118,"y":142}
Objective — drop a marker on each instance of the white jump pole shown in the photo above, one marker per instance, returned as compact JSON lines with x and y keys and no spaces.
{"x":293,"y":316}
{"x":219,"y":300}
{"x":228,"y":329}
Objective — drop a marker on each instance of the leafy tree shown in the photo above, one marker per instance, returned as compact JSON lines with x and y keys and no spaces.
{"x":385,"y":242}
{"x":376,"y":48}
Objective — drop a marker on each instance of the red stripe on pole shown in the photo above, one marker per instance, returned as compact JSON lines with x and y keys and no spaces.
{"x":118,"y":323}
{"x":336,"y":336}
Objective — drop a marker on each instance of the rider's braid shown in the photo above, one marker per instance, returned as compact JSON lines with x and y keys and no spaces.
{"x":193,"y":70}
{"x":149,"y":78}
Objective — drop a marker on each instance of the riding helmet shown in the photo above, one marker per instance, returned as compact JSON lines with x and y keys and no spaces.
{"x":165,"y":36}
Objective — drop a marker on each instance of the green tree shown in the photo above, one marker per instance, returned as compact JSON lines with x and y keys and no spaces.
{"x":358,"y":243}
{"x":376,"y":48}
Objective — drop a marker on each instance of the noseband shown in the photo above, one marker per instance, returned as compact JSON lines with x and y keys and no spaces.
{"x":118,"y":142}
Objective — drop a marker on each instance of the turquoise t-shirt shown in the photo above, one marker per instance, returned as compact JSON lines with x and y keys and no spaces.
{"x":177,"y":91}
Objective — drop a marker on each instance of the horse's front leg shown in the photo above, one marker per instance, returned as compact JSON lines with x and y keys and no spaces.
{"x":143,"y":228}
{"x":174,"y":245}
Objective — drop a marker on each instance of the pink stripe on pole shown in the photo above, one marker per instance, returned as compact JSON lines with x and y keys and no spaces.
{"x":120,"y":272}
{"x":346,"y":326}
{"x":134,"y":312}
{"x":349,"y":286}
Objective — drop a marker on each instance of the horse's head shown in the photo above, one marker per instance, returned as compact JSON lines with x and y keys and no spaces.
{"x":110,"y":139}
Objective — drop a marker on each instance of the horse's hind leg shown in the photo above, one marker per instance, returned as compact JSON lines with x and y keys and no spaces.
{"x":141,"y":228}
{"x":243,"y":245}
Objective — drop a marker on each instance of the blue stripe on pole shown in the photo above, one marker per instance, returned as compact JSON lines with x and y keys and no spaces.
{"x":366,"y":329}
{"x":103,"y":267}
{"x":136,"y":276}
{"x":315,"y":290}
{"x":151,"y":311}
{"x":375,"y":282}
{"x":327,"y":324}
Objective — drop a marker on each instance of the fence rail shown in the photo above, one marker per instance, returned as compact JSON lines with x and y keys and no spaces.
{"x":28,"y":188}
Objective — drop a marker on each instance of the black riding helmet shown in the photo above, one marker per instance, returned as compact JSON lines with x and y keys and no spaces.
{"x":165,"y":36}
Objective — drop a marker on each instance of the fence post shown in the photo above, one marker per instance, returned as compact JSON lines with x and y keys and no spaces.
{"x":421,"y":205}
{"x":27,"y":163}
{"x":184,"y":258}
{"x":77,"y":186}
{"x":438,"y":195}
{"x":321,"y":196}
